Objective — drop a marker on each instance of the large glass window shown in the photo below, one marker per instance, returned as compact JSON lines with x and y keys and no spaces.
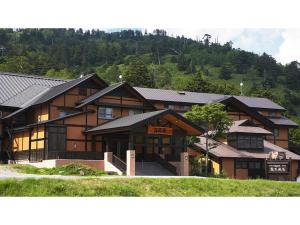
{"x":105,"y":113}
{"x":246,"y":141}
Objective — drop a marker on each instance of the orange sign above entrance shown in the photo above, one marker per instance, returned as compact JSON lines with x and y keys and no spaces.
{"x":160,"y":130}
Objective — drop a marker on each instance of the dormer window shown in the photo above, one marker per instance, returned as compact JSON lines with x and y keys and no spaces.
{"x":181,"y":92}
{"x":246,"y":141}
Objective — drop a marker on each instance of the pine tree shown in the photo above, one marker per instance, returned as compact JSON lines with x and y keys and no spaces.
{"x":137,"y":73}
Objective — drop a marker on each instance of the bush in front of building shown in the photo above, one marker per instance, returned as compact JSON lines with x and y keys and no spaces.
{"x":74,"y":169}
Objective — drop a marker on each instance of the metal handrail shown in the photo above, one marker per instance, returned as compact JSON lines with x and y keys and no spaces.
{"x":120,"y":164}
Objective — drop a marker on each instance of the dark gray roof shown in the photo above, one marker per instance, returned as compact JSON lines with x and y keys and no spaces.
{"x":238,"y":127}
{"x":17,"y":89}
{"x":260,"y":103}
{"x":283,"y":122}
{"x":127,"y":121}
{"x":124,"y":123}
{"x":99,"y":94}
{"x":57,"y":90}
{"x":177,"y":96}
{"x":203,"y":98}
{"x":51,"y":93}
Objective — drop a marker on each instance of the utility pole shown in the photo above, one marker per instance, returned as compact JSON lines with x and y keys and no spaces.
{"x":241,"y":86}
{"x":2,"y":49}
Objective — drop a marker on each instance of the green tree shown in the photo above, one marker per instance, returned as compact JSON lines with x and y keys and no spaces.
{"x":199,"y":84}
{"x":214,"y":119}
{"x":225,"y":72}
{"x":111,"y":74}
{"x":182,"y":63}
{"x":137,"y":73}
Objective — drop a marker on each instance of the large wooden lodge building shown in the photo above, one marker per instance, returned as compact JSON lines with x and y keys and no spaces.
{"x":44,"y":119}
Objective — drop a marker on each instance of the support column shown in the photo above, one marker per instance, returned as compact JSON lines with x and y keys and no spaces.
{"x":130,"y":163}
{"x":107,"y":158}
{"x":184,"y":164}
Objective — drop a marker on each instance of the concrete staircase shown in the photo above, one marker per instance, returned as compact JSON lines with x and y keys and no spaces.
{"x":151,"y":169}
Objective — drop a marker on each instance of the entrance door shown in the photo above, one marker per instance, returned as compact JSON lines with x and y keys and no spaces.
{"x":56,"y":140}
{"x":256,"y":169}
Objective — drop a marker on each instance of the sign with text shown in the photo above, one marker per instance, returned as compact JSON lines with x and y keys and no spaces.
{"x":278,"y":167}
{"x":160,"y":130}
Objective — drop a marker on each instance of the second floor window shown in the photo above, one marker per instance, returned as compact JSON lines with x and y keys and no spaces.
{"x":82,"y":91}
{"x":62,"y":114}
{"x":135,"y":111}
{"x":276,"y":132}
{"x":105,"y":113}
{"x":170,"y":106}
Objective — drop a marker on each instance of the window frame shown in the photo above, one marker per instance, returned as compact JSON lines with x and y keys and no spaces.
{"x":105,"y":114}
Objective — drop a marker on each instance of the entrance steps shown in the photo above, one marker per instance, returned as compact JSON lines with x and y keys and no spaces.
{"x":151,"y":169}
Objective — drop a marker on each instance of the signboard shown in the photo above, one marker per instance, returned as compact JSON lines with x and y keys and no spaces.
{"x":160,"y":130}
{"x":278,"y":168}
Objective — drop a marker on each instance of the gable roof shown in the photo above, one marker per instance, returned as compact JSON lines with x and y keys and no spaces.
{"x":258,"y":103}
{"x":17,"y":89}
{"x":60,"y":89}
{"x":263,"y":119}
{"x":53,"y":92}
{"x":240,"y":127}
{"x":109,"y":89}
{"x":203,"y":98}
{"x":124,"y":123}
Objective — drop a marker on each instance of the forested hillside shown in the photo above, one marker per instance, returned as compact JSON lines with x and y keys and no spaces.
{"x":150,"y":59}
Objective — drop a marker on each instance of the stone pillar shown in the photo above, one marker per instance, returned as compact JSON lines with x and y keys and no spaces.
{"x":184,"y":164}
{"x":107,"y":158}
{"x":130,"y":162}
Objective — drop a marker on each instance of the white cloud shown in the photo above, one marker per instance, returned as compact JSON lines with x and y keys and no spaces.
{"x":289,"y":50}
{"x":223,"y":35}
{"x":282,"y":44}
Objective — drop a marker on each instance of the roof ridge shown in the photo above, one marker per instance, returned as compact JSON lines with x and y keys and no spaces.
{"x":32,"y":76}
{"x":180,"y":91}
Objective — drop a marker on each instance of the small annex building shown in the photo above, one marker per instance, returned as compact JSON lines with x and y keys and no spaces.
{"x":245,"y":153}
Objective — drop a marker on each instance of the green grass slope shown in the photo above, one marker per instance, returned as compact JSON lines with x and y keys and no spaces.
{"x":147,"y":187}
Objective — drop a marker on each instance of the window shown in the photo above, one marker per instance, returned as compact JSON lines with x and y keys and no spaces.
{"x":82,"y":91}
{"x":170,"y":106}
{"x":62,"y":114}
{"x":248,"y":141}
{"x":105,"y":113}
{"x":134,"y":111}
{"x":276,"y":132}
{"x":241,"y":164}
{"x":184,"y":107}
{"x":272,"y":114}
{"x":254,"y":165}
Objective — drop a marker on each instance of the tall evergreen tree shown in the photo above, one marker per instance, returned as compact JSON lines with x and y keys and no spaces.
{"x":137,"y":73}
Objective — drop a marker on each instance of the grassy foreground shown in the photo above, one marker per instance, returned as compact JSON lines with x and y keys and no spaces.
{"x":147,"y":187}
{"x":66,"y":170}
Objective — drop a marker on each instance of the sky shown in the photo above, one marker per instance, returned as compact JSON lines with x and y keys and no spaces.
{"x":282,"y":44}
